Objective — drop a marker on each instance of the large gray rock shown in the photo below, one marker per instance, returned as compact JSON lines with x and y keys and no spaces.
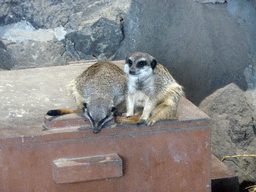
{"x":233,"y":132}
{"x":64,"y":30}
{"x":250,"y":76}
{"x":34,"y":48}
{"x":47,"y":47}
{"x":23,"y":31}
{"x":6,"y":61}
{"x":41,"y":14}
{"x":37,"y":54}
{"x":72,"y":15}
{"x":103,"y":40}
{"x":107,"y":36}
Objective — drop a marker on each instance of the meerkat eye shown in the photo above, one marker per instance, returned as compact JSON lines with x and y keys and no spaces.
{"x":113,"y":109}
{"x":141,"y":64}
{"x":85,"y":107}
{"x":129,"y":61}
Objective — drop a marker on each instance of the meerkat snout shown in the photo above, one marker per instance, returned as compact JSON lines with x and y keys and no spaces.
{"x":132,"y":72}
{"x":99,"y":111}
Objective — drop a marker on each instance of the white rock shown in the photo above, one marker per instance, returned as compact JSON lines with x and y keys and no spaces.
{"x":23,"y":31}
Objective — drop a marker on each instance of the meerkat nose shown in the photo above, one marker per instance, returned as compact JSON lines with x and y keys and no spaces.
{"x":132,"y":72}
{"x":95,"y":131}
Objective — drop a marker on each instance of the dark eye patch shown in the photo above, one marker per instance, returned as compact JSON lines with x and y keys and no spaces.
{"x":129,"y":61}
{"x":141,"y":64}
{"x":102,"y":120}
{"x":91,"y":118}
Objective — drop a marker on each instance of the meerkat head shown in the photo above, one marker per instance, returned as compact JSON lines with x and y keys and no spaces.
{"x":98,"y":111}
{"x":140,"y":64}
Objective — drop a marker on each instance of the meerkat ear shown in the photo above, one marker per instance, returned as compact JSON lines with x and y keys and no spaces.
{"x":153,"y":64}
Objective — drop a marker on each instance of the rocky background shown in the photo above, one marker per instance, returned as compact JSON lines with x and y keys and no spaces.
{"x":208,"y":45}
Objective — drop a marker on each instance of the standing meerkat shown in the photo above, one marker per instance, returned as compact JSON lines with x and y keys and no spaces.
{"x":150,"y":87}
{"x":99,"y":93}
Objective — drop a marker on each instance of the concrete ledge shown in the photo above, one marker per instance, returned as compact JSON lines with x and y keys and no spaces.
{"x":26,"y":95}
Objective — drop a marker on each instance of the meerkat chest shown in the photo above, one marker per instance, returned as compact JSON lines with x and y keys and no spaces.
{"x":137,"y":84}
{"x":140,"y":90}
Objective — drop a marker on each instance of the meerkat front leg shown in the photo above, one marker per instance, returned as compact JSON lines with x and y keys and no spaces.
{"x":130,"y":105}
{"x":149,"y":106}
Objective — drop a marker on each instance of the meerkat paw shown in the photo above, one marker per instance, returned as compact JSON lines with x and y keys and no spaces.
{"x":141,"y":121}
{"x":150,"y":122}
{"x":128,"y":114}
{"x":124,"y":114}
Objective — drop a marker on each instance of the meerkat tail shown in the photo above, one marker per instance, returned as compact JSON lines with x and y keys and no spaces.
{"x":58,"y":112}
{"x":123,"y":119}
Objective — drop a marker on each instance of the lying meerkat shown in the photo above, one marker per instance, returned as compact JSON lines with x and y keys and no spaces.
{"x":99,"y":93}
{"x":150,"y":87}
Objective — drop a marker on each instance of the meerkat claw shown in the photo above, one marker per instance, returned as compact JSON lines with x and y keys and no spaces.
{"x":141,"y":122}
{"x":150,"y":122}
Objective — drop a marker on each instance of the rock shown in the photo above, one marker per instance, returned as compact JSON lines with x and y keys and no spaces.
{"x":233,"y":128}
{"x":250,"y":77}
{"x":37,"y":54}
{"x":51,"y":14}
{"x":107,"y":36}
{"x":102,"y":42}
{"x":82,"y":43}
{"x":44,"y":47}
{"x":32,"y":47}
{"x":245,"y":14}
{"x":23,"y":31}
{"x":6,"y":61}
{"x":42,"y":14}
{"x":87,"y":29}
{"x":6,"y":15}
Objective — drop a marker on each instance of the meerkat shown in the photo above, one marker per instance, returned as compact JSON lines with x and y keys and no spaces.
{"x":151,"y":88}
{"x":99,"y":93}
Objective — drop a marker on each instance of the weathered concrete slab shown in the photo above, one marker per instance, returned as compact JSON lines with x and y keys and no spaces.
{"x":26,"y":96}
